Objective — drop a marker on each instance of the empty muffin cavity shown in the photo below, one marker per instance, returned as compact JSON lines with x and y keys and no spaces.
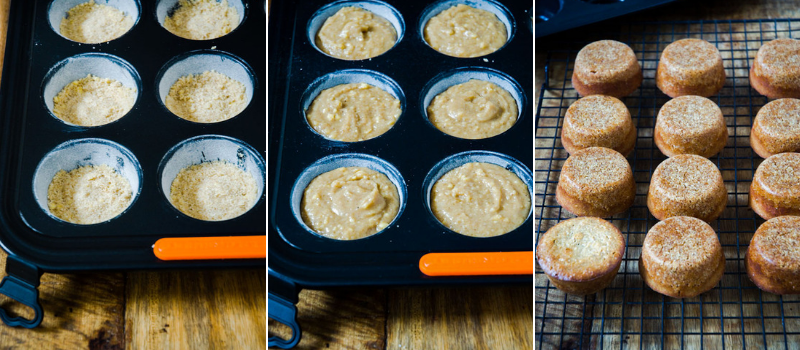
{"x":200,"y":19}
{"x":91,"y":89}
{"x":93,"y":21}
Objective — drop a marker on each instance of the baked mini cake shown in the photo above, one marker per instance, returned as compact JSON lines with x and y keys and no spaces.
{"x":681,"y":257}
{"x":581,"y":255}
{"x":687,"y":185}
{"x":598,"y":121}
{"x":596,"y":181}
{"x":773,"y":258}
{"x":606,"y":67}
{"x":775,"y":190}
{"x":690,"y":67}
{"x":690,"y":125}
{"x":776,"y":70}
{"x":776,"y":128}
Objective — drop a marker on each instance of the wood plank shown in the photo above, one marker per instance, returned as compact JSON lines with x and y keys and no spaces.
{"x":219,"y":309}
{"x":461,"y":318}
{"x":339,"y":319}
{"x":84,"y":311}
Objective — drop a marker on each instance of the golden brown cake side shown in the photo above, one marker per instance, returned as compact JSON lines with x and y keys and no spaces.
{"x":681,"y":257}
{"x":598,"y":121}
{"x":690,"y":125}
{"x":776,"y":128}
{"x":606,"y":67}
{"x":775,"y":189}
{"x":690,"y":67}
{"x":581,"y":255}
{"x":775,"y":72}
{"x":687,"y":185}
{"x":596,"y":181}
{"x":773,"y":258}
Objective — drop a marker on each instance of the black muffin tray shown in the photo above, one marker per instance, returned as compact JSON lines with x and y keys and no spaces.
{"x":553,"y":16}
{"x":298,"y":258}
{"x":37,"y":242}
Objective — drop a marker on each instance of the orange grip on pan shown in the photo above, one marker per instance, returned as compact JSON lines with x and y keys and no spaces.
{"x":474,"y":264}
{"x":211,"y":248}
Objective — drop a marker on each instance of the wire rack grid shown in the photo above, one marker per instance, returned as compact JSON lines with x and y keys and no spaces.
{"x":627,"y":314}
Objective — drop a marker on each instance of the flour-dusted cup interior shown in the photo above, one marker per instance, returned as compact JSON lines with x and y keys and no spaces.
{"x":444,"y":166}
{"x":351,"y":76}
{"x":211,"y":148}
{"x":165,"y":8}
{"x":336,"y":161}
{"x":502,"y":13}
{"x":101,"y":65}
{"x":77,"y":153}
{"x":379,"y":8}
{"x":457,"y":76}
{"x":200,"y":61}
{"x":58,"y":9}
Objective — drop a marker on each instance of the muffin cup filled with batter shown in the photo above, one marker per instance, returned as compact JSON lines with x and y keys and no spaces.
{"x":348,"y":196}
{"x":93,"y":21}
{"x":205,"y":86}
{"x":87,"y":181}
{"x":462,"y":28}
{"x":91,"y":89}
{"x":200,"y":19}
{"x":212,"y":177}
{"x":479,"y":193}
{"x":355,"y":30}
{"x":472,"y":102}
{"x":352,"y":105}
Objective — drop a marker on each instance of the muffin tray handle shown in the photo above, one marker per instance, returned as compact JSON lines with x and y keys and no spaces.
{"x":211,"y":248}
{"x":477,"y":264}
{"x":21,"y":284}
{"x":282,"y":296}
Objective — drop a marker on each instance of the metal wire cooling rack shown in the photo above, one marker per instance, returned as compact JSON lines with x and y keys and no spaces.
{"x":628,"y":314}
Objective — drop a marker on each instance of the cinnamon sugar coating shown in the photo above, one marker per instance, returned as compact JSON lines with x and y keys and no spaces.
{"x":690,"y":125}
{"x":690,"y":67}
{"x":776,"y":128}
{"x":598,"y":121}
{"x":687,"y":185}
{"x":773,"y":257}
{"x":775,"y":190}
{"x":581,"y":255}
{"x":606,"y":67}
{"x":681,"y":257}
{"x":596,"y":181}
{"x":776,"y":69}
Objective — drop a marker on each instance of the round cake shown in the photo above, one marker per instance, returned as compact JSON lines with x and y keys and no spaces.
{"x":598,"y":121}
{"x":687,"y":185}
{"x":776,"y":69}
{"x":606,"y":67}
{"x":776,"y":128}
{"x":690,"y":125}
{"x":596,"y":181}
{"x":775,"y":190}
{"x":690,"y":67}
{"x":581,"y":255}
{"x":773,"y":258}
{"x":681,"y":257}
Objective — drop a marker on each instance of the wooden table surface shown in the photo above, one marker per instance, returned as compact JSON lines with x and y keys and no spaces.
{"x":218,"y":309}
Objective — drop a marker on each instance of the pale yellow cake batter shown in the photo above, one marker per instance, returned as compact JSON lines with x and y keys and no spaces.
{"x":93,"y":101}
{"x":92,"y":23}
{"x":353,"y":33}
{"x":202,"y":19}
{"x":353,"y":112}
{"x":464,"y":31}
{"x":213,"y":191}
{"x":88,"y":194}
{"x":349,"y":203}
{"x":209,"y":97}
{"x":476,"y":109}
{"x":480,"y":200}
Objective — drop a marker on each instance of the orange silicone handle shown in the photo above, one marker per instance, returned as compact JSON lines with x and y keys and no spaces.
{"x":204,"y":248}
{"x":475,"y":264}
